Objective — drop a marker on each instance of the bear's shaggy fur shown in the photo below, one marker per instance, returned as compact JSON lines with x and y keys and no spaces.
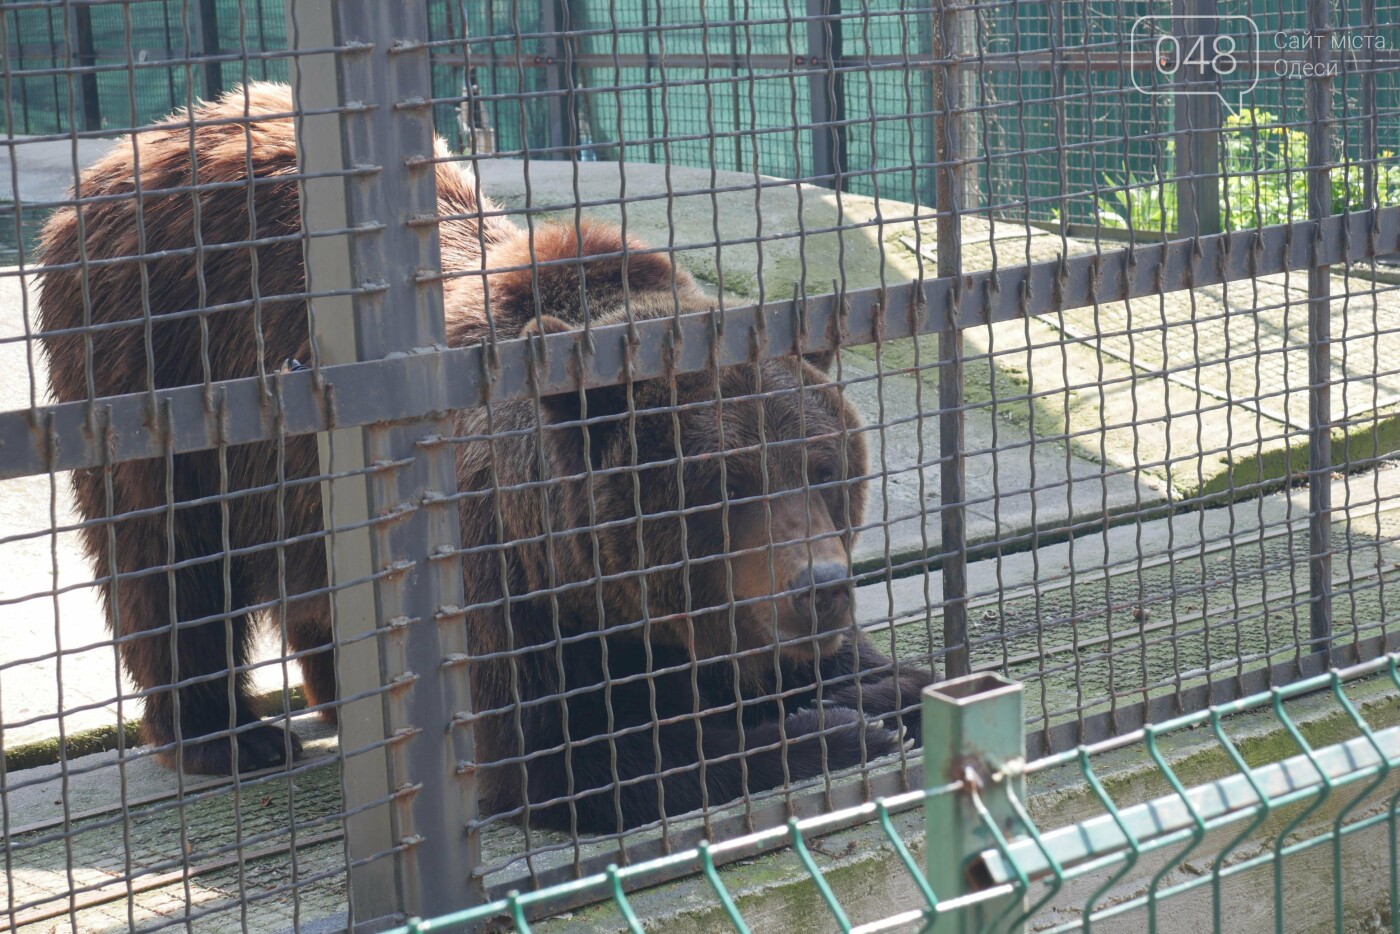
{"x":657,"y":574}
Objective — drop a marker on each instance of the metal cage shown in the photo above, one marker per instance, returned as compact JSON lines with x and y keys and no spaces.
{"x":558,"y":386}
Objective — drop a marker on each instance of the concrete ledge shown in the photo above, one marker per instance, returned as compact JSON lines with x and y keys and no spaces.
{"x":44,"y":168}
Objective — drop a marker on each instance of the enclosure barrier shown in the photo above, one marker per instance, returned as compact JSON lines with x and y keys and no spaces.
{"x":1131,"y":435}
{"x":850,"y":73}
{"x":990,"y":868}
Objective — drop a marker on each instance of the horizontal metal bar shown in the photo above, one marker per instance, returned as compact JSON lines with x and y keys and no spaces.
{"x":720,"y":61}
{"x":1216,"y":803}
{"x":1067,"y":59}
{"x":71,"y":435}
{"x":154,"y":55}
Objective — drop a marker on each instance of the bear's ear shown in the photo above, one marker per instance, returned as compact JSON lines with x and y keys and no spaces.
{"x":577,"y":272}
{"x":569,"y":406}
{"x":544,"y":324}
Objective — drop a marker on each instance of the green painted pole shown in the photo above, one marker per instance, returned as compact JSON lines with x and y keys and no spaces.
{"x":973,"y":733}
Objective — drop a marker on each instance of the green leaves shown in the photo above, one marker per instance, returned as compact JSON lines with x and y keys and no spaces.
{"x":1264,"y":180}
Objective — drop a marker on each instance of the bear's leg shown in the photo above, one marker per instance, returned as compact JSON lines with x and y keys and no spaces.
{"x":288,"y":575}
{"x":210,"y":699}
{"x":309,"y":630}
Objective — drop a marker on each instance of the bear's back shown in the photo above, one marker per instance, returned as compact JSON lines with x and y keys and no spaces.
{"x":240,"y":270}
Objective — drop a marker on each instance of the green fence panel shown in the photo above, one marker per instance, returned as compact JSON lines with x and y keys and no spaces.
{"x":985,"y":855}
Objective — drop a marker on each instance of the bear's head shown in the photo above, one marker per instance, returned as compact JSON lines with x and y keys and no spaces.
{"x":722,"y":505}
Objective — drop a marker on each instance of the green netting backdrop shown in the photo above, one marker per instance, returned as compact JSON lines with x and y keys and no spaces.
{"x":753,"y":117}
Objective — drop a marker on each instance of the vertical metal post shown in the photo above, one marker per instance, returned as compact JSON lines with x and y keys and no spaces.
{"x":649,"y":69}
{"x":82,"y":53}
{"x":374,"y":886}
{"x":967,"y":45}
{"x":977,"y":728}
{"x":1370,"y":143}
{"x":369,"y":107}
{"x":206,"y":45}
{"x":478,"y":135}
{"x":947,"y":96}
{"x":579,"y":112}
{"x":826,"y":94}
{"x":1198,"y":122}
{"x":1319,"y":105}
{"x":563,"y":129}
{"x":736,"y":72}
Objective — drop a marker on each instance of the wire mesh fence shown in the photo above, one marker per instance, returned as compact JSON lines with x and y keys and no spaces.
{"x":611,"y":417}
{"x":744,"y":83}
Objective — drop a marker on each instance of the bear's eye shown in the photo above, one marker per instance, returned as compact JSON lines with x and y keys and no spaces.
{"x":732,"y":492}
{"x":825,"y":475}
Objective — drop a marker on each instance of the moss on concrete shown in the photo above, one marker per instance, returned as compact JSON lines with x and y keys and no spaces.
{"x":1362,"y":443}
{"x":772,"y":892}
{"x":82,"y":743}
{"x":1078,"y":417}
{"x":1060,"y":796}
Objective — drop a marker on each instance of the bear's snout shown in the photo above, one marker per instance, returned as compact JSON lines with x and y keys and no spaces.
{"x":822,"y":592}
{"x":795,"y":560}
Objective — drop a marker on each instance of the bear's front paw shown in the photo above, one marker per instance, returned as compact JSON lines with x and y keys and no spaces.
{"x":896,"y":701}
{"x":844,"y":732}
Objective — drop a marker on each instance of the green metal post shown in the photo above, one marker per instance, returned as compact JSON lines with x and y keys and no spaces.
{"x":973,"y":733}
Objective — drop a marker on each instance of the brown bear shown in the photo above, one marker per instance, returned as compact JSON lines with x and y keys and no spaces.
{"x":657,"y":574}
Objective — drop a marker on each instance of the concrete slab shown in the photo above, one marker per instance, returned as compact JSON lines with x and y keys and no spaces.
{"x":1149,"y":608}
{"x":1016,"y":481}
{"x":92,"y":825}
{"x":55,"y":654}
{"x":1365,"y":502}
{"x":1203,"y":390}
{"x":756,"y":236}
{"x":37,"y":172}
{"x":1247,"y":342}
{"x":773,"y":232}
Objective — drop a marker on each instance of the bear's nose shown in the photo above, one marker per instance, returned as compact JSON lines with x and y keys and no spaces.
{"x":823,"y":589}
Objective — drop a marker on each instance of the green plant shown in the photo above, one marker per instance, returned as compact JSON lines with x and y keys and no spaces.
{"x":1264,"y":167}
{"x":1264,"y":181}
{"x":1137,"y":205}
